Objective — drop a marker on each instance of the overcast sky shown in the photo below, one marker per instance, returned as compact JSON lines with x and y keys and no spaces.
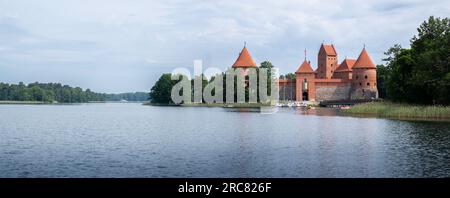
{"x":121,"y":46}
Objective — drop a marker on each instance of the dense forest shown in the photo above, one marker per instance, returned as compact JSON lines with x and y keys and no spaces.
{"x":56,"y":92}
{"x":420,"y":74}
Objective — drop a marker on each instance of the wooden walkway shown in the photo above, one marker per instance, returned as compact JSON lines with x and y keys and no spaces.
{"x":340,"y":103}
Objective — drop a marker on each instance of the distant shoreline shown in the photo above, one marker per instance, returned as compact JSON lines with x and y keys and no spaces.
{"x":6,"y":102}
{"x":23,"y":102}
{"x":388,"y":110}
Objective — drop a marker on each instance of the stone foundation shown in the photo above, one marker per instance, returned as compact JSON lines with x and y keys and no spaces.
{"x":364,"y":94}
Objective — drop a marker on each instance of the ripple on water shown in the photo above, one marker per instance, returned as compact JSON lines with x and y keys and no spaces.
{"x":131,"y":140}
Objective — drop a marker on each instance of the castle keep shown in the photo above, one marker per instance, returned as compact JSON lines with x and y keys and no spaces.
{"x":350,"y":80}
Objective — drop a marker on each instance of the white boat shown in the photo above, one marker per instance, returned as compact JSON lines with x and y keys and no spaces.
{"x":302,"y":104}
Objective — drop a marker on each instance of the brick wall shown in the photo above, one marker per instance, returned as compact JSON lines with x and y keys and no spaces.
{"x":333,"y":91}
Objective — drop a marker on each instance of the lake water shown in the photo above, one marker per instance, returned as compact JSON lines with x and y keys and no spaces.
{"x":132,"y":140}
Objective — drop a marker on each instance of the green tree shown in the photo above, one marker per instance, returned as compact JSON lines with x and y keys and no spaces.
{"x":290,"y":76}
{"x":266,"y":65}
{"x":382,"y":72}
{"x":421,"y":74}
{"x":161,"y":91}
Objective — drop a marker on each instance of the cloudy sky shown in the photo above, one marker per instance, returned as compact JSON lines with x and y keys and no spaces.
{"x":124,"y":45}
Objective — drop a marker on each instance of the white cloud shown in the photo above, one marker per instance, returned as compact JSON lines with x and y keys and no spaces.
{"x":131,"y":39}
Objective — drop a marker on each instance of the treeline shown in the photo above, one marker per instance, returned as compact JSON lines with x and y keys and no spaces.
{"x":289,"y":76}
{"x":47,"y":92}
{"x":420,"y":74}
{"x":56,"y":92}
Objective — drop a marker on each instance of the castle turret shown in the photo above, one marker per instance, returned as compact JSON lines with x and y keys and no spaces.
{"x":327,"y":61}
{"x":364,"y":77}
{"x":305,"y":86}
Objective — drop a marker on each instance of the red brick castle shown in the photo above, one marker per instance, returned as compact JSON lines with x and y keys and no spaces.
{"x":350,"y":80}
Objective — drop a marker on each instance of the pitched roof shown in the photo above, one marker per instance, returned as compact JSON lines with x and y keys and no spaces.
{"x":305,"y":68}
{"x":346,"y":65}
{"x":244,"y":60}
{"x":364,"y":61}
{"x":328,"y":49}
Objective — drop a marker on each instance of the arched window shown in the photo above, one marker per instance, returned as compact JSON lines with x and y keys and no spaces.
{"x":360,"y":84}
{"x":365,"y":77}
{"x":305,"y":85}
{"x":368,"y":84}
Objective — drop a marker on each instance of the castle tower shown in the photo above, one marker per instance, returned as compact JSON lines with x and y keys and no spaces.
{"x":327,"y":61}
{"x":364,"y":80}
{"x":344,"y":71}
{"x":305,"y":86}
{"x":244,"y":60}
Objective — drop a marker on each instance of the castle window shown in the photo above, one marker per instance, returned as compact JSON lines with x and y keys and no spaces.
{"x":365,"y":77}
{"x":368,"y":84}
{"x":360,"y":84}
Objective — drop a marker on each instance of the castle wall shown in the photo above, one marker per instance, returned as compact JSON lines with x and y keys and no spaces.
{"x":333,"y":91}
{"x":342,"y":75}
{"x":287,"y":90}
{"x":364,"y":93}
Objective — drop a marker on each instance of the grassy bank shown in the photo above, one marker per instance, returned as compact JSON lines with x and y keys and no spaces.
{"x":400,"y":111}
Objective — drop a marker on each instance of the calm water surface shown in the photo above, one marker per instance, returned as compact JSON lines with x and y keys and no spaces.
{"x":131,"y":140}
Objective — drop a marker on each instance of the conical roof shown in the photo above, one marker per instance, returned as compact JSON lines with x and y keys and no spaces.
{"x":364,"y":61}
{"x":244,"y":60}
{"x":346,"y":65}
{"x":305,"y":67}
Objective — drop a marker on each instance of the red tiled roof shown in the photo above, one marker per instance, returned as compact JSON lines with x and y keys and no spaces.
{"x":305,"y":68}
{"x":328,"y":49}
{"x":346,"y":65}
{"x":244,"y":60}
{"x":364,"y":61}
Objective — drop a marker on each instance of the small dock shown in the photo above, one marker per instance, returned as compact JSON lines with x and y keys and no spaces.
{"x":344,"y":103}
